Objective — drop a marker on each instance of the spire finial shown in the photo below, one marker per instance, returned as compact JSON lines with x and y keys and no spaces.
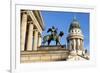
{"x":74,"y":18}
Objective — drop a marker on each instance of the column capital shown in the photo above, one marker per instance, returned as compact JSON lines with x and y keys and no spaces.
{"x":30,"y":22}
{"x":35,"y":30}
{"x":24,"y":11}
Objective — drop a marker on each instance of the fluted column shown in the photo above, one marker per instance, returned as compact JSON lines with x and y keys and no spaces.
{"x":35,"y":44}
{"x":23,"y":30}
{"x":82,"y":45}
{"x":74,"y":44}
{"x":30,"y":37}
{"x":39,"y":40}
{"x":78,"y":44}
{"x":69,"y":45}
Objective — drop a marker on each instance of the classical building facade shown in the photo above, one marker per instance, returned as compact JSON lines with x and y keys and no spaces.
{"x":31,"y":29}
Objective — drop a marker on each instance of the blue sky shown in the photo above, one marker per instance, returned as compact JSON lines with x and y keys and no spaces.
{"x":62,"y":20}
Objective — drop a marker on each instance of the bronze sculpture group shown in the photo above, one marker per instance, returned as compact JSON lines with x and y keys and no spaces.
{"x":54,"y":36}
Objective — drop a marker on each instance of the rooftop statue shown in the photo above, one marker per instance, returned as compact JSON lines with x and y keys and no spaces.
{"x":54,"y":36}
{"x":53,"y":30}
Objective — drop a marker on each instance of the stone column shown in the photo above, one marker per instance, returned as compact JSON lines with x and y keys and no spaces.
{"x":77,"y":44}
{"x":70,"y":44}
{"x":39,"y":40}
{"x":35,"y":44}
{"x":23,"y":30}
{"x":76,"y":40}
{"x":30,"y":37}
{"x":74,"y":44}
{"x":80,"y":44}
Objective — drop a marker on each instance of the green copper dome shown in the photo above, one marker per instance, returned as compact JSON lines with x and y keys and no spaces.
{"x":74,"y":24}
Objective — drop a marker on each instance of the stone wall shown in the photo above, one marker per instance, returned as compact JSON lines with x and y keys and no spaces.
{"x":43,"y":56}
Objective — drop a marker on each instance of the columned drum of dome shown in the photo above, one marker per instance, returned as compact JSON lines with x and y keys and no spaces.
{"x":75,"y":37}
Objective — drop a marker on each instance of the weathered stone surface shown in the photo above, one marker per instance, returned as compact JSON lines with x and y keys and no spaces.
{"x":37,"y":56}
{"x":52,"y":47}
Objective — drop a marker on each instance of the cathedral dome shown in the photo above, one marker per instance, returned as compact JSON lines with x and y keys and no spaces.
{"x":74,"y":24}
